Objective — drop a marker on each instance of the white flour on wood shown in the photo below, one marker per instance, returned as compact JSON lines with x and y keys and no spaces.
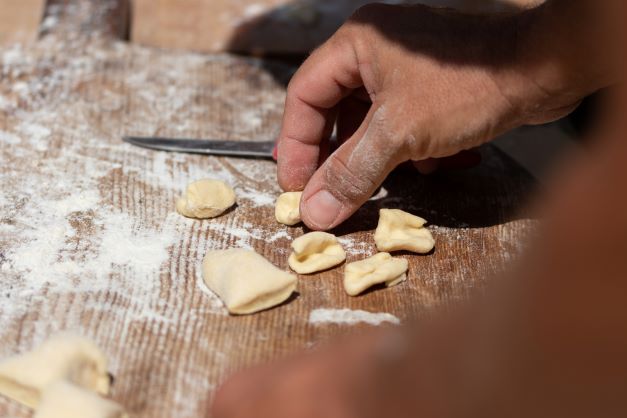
{"x":350,"y":317}
{"x":67,"y":226}
{"x":357,"y":246}
{"x":89,"y":240}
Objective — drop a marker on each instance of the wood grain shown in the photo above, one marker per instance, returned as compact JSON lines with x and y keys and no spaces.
{"x":169,"y":344}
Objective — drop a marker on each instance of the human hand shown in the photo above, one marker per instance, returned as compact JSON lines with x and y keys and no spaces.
{"x":404,"y":83}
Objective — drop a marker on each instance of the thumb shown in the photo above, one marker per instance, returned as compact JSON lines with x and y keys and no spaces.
{"x":350,"y":175}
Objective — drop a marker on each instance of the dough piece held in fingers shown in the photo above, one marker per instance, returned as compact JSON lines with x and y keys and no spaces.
{"x":287,"y":209}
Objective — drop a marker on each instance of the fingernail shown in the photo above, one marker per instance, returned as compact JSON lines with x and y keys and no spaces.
{"x":323,"y":209}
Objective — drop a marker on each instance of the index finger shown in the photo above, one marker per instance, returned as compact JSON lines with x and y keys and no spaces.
{"x":326,"y":77}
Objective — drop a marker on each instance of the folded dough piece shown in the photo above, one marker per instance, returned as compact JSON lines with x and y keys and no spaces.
{"x":64,"y":357}
{"x":398,"y":230}
{"x":287,"y":209}
{"x":205,"y":199}
{"x":65,"y":400}
{"x":315,"y":251}
{"x":245,"y":281}
{"x":380,"y":268}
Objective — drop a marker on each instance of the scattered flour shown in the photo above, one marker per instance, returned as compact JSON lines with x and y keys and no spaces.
{"x":350,"y":317}
{"x":213,"y":299}
{"x":37,"y":134}
{"x":49,"y":23}
{"x":357,"y":247}
{"x":4,"y":103}
{"x":69,"y":226}
{"x":252,"y":118}
{"x":7,"y":138}
{"x":244,"y":236}
{"x":66,"y":239}
{"x":281,"y":234}
{"x":255,"y":197}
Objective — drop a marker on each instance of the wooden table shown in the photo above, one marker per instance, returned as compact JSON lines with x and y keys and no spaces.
{"x":89,"y":240}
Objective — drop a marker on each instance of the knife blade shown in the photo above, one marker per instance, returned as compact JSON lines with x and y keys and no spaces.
{"x":252,"y":149}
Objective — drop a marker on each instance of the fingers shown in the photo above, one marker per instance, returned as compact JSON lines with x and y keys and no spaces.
{"x":326,"y":77}
{"x":351,"y":174}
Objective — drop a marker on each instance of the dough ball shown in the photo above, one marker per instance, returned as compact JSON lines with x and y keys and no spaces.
{"x":380,"y":268}
{"x":287,"y":209}
{"x":65,"y":400}
{"x":205,"y":199}
{"x":245,"y":281}
{"x":315,"y":251}
{"x":64,"y":357}
{"x":398,"y":230}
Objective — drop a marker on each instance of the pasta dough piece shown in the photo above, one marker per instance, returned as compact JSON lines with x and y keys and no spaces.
{"x":205,"y":199}
{"x":398,"y":230}
{"x":315,"y":251}
{"x":245,"y":281}
{"x":64,"y":357}
{"x":65,"y":400}
{"x":380,"y":268}
{"x":287,"y":209}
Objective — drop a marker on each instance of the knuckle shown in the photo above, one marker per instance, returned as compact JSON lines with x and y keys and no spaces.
{"x":359,"y":26}
{"x":412,"y":141}
{"x":417,"y":147}
{"x":344,"y":37}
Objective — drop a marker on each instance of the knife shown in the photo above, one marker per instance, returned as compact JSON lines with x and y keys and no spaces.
{"x":251,"y":149}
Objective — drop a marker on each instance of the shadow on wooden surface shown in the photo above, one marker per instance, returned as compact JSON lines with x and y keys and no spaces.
{"x":493,"y":193}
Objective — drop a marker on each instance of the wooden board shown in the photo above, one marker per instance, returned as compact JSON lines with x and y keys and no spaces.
{"x":19,"y":20}
{"x":89,"y":241}
{"x":259,"y":26}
